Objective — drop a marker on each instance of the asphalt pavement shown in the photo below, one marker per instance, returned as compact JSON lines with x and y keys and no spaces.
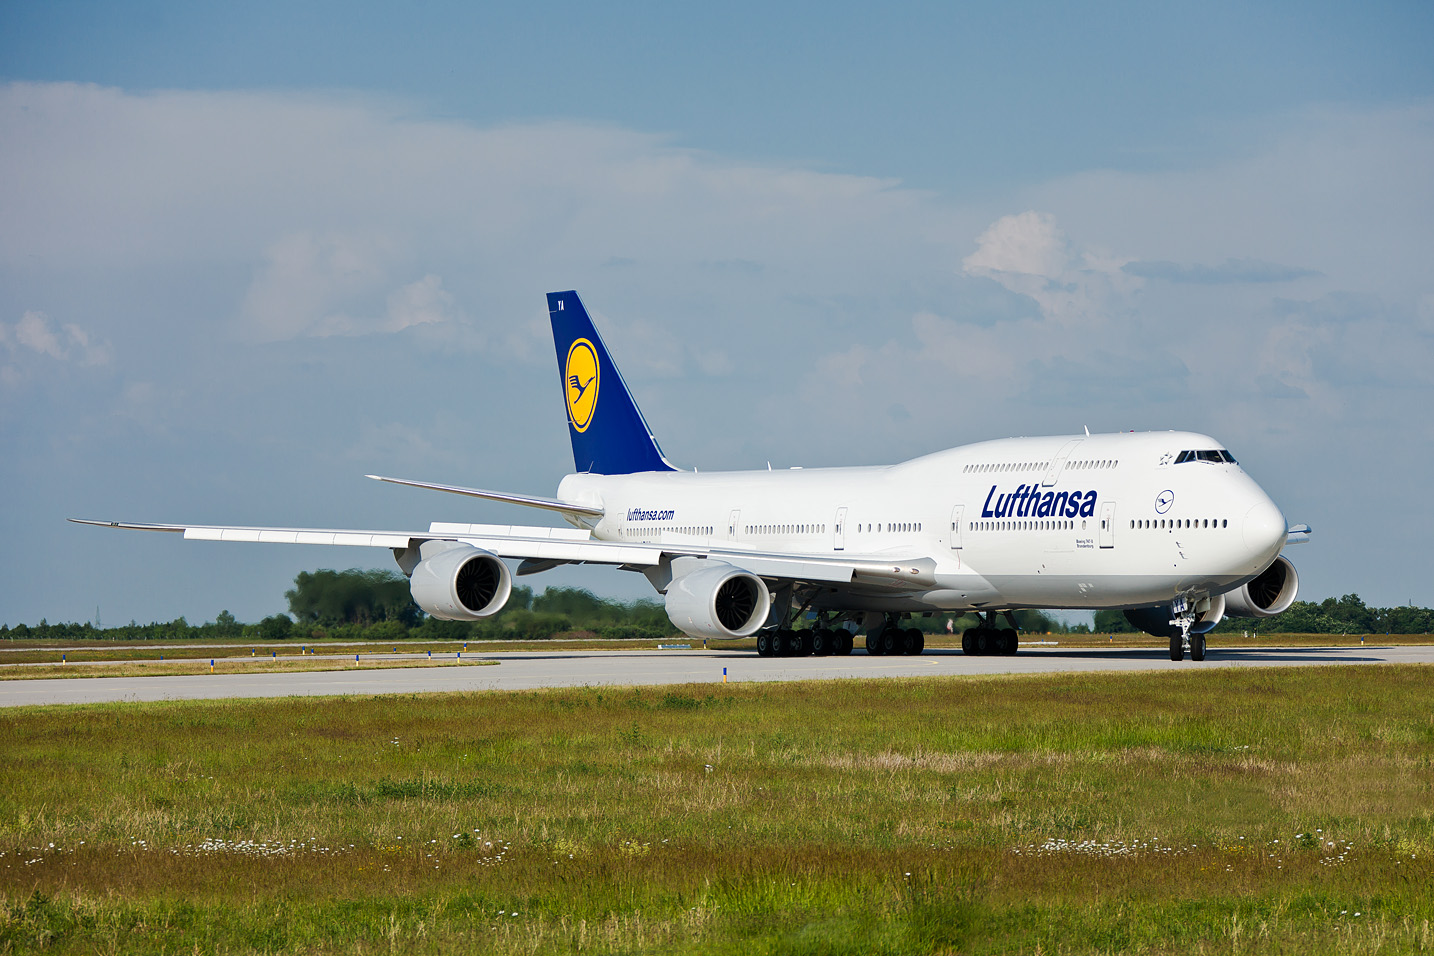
{"x":525,"y":670}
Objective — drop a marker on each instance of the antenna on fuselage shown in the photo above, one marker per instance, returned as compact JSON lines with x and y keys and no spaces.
{"x":1087,"y":430}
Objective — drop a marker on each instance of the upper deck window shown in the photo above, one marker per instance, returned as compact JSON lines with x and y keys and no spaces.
{"x":1220,"y":457}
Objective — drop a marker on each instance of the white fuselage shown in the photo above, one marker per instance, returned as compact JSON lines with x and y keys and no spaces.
{"x":1091,"y":521}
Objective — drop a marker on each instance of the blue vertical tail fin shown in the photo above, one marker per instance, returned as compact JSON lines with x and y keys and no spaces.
{"x":609,"y":434}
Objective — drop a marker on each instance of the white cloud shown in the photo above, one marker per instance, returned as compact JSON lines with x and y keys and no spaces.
{"x":424,"y":302}
{"x":33,"y":331}
{"x":33,"y":334}
{"x":310,"y":285}
{"x":1029,"y":255}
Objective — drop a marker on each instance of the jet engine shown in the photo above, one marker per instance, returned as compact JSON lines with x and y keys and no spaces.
{"x":1156,"y":620}
{"x":1271,"y":593}
{"x":460,"y":582}
{"x":718,"y":602}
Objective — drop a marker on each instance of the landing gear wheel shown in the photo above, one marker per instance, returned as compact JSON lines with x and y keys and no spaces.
{"x":967,"y":642}
{"x":1009,"y":642}
{"x":873,"y":642}
{"x":1177,"y":648}
{"x":764,"y":644}
{"x":821,"y":642}
{"x":846,"y":643}
{"x":983,"y":642}
{"x":1197,"y":647}
{"x":915,"y":641}
{"x":891,"y":640}
{"x":807,"y":643}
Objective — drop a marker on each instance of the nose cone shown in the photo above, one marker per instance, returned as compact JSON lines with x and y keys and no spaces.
{"x":1264,"y":529}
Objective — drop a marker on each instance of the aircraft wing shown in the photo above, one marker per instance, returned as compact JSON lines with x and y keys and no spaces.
{"x":506,"y":541}
{"x":527,"y":501}
{"x":549,"y":547}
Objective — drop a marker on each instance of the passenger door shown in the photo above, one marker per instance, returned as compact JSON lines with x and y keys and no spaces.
{"x":1107,"y":525}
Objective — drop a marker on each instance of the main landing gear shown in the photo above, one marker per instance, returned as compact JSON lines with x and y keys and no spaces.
{"x":1183,"y":617}
{"x":987,"y":640}
{"x":891,"y":638}
{"x":816,"y":642}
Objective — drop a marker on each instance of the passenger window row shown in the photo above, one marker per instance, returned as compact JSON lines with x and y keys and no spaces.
{"x":888,"y":527}
{"x":636,"y":532}
{"x":1051,"y":525}
{"x":1005,"y":467}
{"x":786,"y":529}
{"x":1084,"y":464}
{"x":1170,"y":524}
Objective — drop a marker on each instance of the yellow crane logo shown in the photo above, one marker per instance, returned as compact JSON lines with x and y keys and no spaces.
{"x":581,"y":376}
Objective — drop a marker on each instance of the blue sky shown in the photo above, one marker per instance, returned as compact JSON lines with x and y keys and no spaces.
{"x":249,"y":254}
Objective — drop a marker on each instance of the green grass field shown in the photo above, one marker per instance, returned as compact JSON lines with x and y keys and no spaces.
{"x":1240,"y":810}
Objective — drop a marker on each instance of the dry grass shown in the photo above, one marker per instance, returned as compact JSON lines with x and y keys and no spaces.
{"x":260,"y":665}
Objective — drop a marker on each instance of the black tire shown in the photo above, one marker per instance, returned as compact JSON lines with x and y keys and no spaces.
{"x":982,"y":642}
{"x":1197,"y":647}
{"x":874,"y":642}
{"x":891,"y":640}
{"x":846,"y":644}
{"x":1177,"y":649}
{"x":1009,"y":642}
{"x":806,"y":643}
{"x":915,"y":641}
{"x":967,"y":643}
{"x":764,"y":644}
{"x":821,"y":642}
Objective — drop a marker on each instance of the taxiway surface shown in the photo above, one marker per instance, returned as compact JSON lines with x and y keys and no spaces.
{"x":526,"y":670}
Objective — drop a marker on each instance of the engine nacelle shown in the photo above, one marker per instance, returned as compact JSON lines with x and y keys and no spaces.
{"x":1267,"y":595}
{"x":460,"y":582}
{"x":1156,"y":620}
{"x":718,"y":602}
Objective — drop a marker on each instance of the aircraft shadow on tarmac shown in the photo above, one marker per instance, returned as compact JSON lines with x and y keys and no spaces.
{"x":1253,"y":655}
{"x":1250,"y":655}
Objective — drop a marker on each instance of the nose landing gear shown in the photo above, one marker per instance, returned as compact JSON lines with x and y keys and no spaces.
{"x":1183,"y":617}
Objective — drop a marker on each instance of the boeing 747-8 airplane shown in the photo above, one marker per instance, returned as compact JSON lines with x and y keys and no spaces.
{"x":1164,"y":525}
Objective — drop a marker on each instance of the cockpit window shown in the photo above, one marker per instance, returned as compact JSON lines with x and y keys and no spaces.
{"x":1217,"y":457}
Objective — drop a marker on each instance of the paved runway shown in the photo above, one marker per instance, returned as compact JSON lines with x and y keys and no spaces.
{"x":559,"y":668}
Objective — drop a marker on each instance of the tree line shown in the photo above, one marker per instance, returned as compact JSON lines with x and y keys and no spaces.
{"x":377,"y":606}
{"x":1345,"y":615}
